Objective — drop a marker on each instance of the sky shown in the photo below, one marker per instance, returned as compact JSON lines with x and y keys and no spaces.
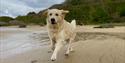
{"x":15,"y":8}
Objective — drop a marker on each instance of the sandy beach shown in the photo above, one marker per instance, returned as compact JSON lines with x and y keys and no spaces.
{"x":91,"y":45}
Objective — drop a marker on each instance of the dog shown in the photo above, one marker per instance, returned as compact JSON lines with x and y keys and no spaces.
{"x":60,"y":31}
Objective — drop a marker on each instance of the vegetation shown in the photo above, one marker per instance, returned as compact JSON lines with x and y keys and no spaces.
{"x":84,"y":11}
{"x":31,"y":19}
{"x":95,"y":11}
{"x":5,"y":19}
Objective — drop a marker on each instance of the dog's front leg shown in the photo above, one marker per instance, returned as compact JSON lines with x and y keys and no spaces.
{"x":58,"y":46}
{"x":53,"y":41}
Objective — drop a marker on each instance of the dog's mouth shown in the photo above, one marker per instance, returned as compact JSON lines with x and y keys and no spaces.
{"x":53,"y":22}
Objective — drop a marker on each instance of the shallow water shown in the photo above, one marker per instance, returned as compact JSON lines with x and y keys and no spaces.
{"x":18,"y":40}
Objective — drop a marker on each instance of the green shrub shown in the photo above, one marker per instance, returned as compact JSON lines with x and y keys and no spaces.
{"x":5,"y":19}
{"x":31,"y":19}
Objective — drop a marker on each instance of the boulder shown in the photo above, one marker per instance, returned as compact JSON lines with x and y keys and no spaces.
{"x":22,"y":26}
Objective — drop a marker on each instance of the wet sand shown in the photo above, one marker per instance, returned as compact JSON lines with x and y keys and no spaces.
{"x":91,"y":45}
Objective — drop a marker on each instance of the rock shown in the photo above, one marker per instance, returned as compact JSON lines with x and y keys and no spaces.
{"x":105,"y":26}
{"x":22,"y":26}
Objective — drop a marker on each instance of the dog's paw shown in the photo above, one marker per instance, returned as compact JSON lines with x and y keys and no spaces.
{"x":53,"y":58}
{"x":71,"y":50}
{"x":66,"y":54}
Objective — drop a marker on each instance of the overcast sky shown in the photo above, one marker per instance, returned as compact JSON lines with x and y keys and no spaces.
{"x":14,"y":8}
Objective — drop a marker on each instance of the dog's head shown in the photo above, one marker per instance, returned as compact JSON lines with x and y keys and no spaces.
{"x":55,"y":16}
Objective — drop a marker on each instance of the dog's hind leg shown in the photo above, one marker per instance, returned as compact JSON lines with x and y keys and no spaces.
{"x":69,"y":48}
{"x":58,"y":46}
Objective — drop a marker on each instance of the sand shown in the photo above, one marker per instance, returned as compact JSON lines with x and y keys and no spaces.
{"x":91,"y":45}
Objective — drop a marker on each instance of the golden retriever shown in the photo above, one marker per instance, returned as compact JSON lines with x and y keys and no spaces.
{"x":60,"y":31}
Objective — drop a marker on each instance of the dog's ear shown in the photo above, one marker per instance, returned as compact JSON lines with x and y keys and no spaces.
{"x":45,"y":12}
{"x":65,"y":11}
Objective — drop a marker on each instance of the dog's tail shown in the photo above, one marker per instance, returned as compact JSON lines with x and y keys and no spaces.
{"x":73,"y":23}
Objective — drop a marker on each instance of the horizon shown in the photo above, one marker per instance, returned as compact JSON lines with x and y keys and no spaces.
{"x":14,"y":8}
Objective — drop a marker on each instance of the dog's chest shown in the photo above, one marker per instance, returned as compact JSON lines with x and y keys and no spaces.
{"x":59,"y":35}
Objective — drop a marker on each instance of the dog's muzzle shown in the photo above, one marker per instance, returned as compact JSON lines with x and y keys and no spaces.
{"x":53,"y":21}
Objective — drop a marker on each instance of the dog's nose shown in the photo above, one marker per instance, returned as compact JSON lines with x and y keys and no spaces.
{"x":52,"y":20}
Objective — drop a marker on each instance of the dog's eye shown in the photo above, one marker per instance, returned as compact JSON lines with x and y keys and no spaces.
{"x":50,"y":14}
{"x":56,"y":14}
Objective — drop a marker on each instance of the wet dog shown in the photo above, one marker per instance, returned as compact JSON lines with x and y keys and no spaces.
{"x":59,"y":30}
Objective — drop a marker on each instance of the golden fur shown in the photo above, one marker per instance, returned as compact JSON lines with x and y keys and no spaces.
{"x":61,"y":32}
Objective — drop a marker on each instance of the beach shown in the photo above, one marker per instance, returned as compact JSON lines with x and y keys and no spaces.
{"x":91,"y":45}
